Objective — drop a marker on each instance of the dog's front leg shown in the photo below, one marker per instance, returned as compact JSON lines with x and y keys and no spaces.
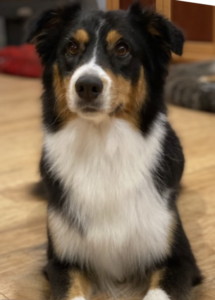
{"x":179,"y":274}
{"x":67,"y":283}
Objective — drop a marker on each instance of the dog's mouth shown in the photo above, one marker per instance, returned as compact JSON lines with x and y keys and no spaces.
{"x":89,"y":109}
{"x":92,"y":113}
{"x":95,"y":109}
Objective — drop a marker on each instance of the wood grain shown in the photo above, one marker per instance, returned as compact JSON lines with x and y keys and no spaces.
{"x":23,"y":213}
{"x":112,"y":4}
{"x":201,"y":27}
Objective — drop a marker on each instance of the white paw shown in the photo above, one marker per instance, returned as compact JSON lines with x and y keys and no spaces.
{"x":156,"y":294}
{"x":78,"y":298}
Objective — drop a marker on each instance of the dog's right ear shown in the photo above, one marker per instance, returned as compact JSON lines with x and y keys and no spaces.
{"x":165,"y":33}
{"x":45,"y":30}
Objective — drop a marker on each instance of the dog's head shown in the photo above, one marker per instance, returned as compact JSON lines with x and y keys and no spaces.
{"x":104,"y":64}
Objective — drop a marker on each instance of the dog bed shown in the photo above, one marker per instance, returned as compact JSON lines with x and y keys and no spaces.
{"x":192,"y":86}
{"x":20,"y":60}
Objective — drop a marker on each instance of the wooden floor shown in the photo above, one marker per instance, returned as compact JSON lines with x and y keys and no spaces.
{"x":23,"y":214}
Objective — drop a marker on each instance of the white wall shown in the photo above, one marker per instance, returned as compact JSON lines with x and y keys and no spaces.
{"x":101,"y":4}
{"x":94,"y":4}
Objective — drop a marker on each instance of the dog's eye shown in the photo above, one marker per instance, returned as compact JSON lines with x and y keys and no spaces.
{"x":122,"y":49}
{"x":73,"y":47}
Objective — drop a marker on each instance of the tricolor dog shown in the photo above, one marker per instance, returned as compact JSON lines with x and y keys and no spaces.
{"x":111,"y":161}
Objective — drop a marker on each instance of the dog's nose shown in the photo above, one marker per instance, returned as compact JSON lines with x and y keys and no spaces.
{"x":89,"y":87}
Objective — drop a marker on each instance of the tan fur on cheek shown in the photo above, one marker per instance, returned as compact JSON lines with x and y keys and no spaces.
{"x":60,"y":88}
{"x":129,"y":98}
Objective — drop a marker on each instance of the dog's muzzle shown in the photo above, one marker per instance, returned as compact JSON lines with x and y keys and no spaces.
{"x":88,"y":89}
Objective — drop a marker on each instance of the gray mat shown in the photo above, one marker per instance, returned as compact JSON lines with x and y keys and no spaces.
{"x":186,"y":86}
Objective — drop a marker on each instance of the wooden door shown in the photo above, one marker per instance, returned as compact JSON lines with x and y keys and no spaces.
{"x":195,"y":19}
{"x":198,"y":23}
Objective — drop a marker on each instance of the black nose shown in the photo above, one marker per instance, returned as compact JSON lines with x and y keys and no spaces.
{"x":89,"y":87}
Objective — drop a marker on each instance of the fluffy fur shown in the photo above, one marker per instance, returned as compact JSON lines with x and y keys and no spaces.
{"x":111,"y":162}
{"x":121,"y":171}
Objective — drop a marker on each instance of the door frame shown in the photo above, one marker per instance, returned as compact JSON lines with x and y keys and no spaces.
{"x":112,"y":4}
{"x":162,"y":6}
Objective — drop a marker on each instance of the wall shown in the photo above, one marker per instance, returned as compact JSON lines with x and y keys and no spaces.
{"x":93,"y":4}
{"x":101,"y":4}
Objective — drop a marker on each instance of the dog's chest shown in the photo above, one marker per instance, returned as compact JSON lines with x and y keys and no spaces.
{"x":106,"y":173}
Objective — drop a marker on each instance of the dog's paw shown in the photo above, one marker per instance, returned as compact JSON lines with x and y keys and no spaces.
{"x":156,"y":294}
{"x":78,"y":298}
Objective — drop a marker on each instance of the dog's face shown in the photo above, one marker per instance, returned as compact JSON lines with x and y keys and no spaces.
{"x":101,"y":69}
{"x":104,"y":64}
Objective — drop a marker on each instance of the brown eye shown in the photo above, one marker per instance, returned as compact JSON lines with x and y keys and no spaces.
{"x":122,"y":49}
{"x":73,"y":47}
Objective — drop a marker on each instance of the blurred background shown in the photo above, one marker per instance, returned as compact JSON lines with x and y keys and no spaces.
{"x":14,"y":13}
{"x":197,"y":21}
{"x":190,"y":94}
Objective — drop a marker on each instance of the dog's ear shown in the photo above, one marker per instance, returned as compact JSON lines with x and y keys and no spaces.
{"x":159,"y":27}
{"x":45,"y":30}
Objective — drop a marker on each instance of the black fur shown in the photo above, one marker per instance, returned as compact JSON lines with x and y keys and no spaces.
{"x":170,"y":170}
{"x":181,"y":273}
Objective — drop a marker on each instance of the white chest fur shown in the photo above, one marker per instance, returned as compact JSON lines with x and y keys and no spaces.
{"x":106,"y":173}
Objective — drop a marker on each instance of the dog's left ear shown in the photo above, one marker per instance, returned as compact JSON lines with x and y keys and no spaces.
{"x":159,"y":27}
{"x":45,"y":30}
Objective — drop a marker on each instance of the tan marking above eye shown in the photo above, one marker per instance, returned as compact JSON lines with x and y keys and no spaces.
{"x":81,"y":36}
{"x":113,"y":37}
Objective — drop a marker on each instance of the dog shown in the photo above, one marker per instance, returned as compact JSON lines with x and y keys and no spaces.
{"x":111,"y":161}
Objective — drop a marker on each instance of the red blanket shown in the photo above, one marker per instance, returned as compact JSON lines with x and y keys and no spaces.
{"x":20,"y":60}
